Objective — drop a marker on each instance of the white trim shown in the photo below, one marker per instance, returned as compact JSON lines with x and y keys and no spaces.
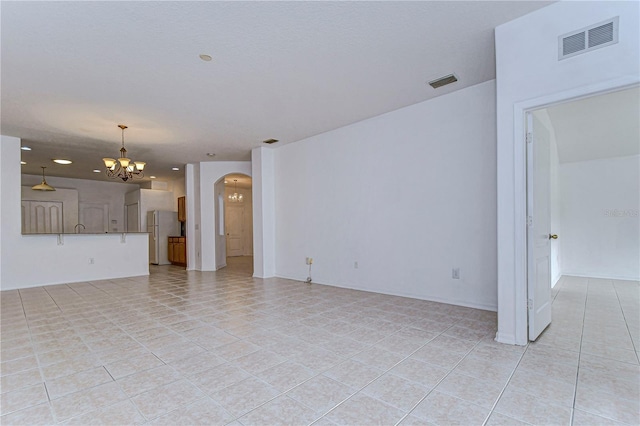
{"x":520,"y":170}
{"x":602,"y":277}
{"x":507,"y":339}
{"x":492,"y":308}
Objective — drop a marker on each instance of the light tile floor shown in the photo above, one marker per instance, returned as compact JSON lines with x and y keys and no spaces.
{"x":183,"y":348}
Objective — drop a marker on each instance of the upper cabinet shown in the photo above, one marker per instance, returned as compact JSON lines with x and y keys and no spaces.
{"x":182,"y":209}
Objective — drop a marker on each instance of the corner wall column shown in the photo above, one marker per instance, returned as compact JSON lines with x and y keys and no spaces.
{"x":264,"y":226}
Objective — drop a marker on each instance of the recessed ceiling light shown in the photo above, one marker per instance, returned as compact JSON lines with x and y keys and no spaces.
{"x":152,"y":177}
{"x":206,"y":58}
{"x":96,"y":171}
{"x":175,"y":168}
{"x":270,"y":141}
{"x":62,"y":161}
{"x":210,"y":154}
{"x":25,"y":148}
{"x":23,"y":162}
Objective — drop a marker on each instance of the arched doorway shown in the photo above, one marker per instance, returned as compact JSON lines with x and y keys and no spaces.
{"x":238,"y":223}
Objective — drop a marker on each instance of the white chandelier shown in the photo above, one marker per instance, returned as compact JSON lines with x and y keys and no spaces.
{"x":235,"y":197}
{"x":124,"y":168}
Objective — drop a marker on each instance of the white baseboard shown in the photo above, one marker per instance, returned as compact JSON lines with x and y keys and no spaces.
{"x":507,"y":339}
{"x":603,"y":277}
{"x":482,"y":306}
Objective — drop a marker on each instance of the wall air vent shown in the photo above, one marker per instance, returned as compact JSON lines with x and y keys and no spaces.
{"x":588,"y":39}
{"x":443,"y":81}
{"x":270,"y":141}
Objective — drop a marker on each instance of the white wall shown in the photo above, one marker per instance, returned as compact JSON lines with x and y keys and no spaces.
{"x":192,"y":193}
{"x":178,"y":187}
{"x":264,"y":212}
{"x":408,"y":195}
{"x":219,"y":227}
{"x":601,"y":232}
{"x":91,"y":192}
{"x":529,"y":76}
{"x":69,"y":262}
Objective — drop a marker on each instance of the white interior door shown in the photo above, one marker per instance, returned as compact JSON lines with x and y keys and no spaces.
{"x":234,"y":224}
{"x":539,"y":224}
{"x":94,"y":217}
{"x":42,"y":217}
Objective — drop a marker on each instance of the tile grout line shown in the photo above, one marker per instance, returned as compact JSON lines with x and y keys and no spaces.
{"x":626,"y":323}
{"x":575,"y":388}
{"x":436,"y":385}
{"x":495,"y":403}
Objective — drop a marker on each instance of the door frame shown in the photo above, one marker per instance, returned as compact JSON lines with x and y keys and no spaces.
{"x":520,"y":109}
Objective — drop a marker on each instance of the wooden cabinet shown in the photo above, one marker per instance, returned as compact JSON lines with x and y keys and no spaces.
{"x":177,"y":252}
{"x":182,"y":209}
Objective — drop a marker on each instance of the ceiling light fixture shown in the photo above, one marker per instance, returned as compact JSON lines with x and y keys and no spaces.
{"x":270,"y":141}
{"x":123,"y":167}
{"x":23,"y":162}
{"x":236,"y":198}
{"x":175,"y":169}
{"x":62,"y":161}
{"x":43,"y":186}
{"x":152,"y":177}
{"x":96,"y":171}
{"x":25,"y":148}
{"x":210,"y":154}
{"x":206,"y":58}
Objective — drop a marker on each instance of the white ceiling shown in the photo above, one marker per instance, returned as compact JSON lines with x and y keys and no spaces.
{"x":72,"y":71}
{"x":598,"y":127}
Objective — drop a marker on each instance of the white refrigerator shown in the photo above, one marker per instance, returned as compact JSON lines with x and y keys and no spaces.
{"x":160,"y":226}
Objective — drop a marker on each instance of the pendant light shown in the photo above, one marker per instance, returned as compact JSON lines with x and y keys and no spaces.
{"x":44,"y":186}
{"x":236,"y":198}
{"x":123,"y":168}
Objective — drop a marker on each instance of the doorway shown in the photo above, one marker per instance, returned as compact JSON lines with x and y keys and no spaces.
{"x":132,"y":217}
{"x":583,"y":173}
{"x":238,"y":223}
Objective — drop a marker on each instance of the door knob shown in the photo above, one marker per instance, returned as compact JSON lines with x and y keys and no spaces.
{"x":553,"y":236}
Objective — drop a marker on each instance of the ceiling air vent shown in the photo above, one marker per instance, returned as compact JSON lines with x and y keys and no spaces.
{"x":443,"y":81}
{"x":588,"y":39}
{"x":270,"y":141}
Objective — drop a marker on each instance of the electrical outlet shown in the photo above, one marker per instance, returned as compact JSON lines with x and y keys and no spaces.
{"x":91,"y":261}
{"x":455,"y":273}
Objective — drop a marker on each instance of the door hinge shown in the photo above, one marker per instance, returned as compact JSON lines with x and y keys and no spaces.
{"x":529,"y":221}
{"x":529,"y":137}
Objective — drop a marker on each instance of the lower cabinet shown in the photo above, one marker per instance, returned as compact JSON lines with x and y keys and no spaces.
{"x":177,"y":252}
